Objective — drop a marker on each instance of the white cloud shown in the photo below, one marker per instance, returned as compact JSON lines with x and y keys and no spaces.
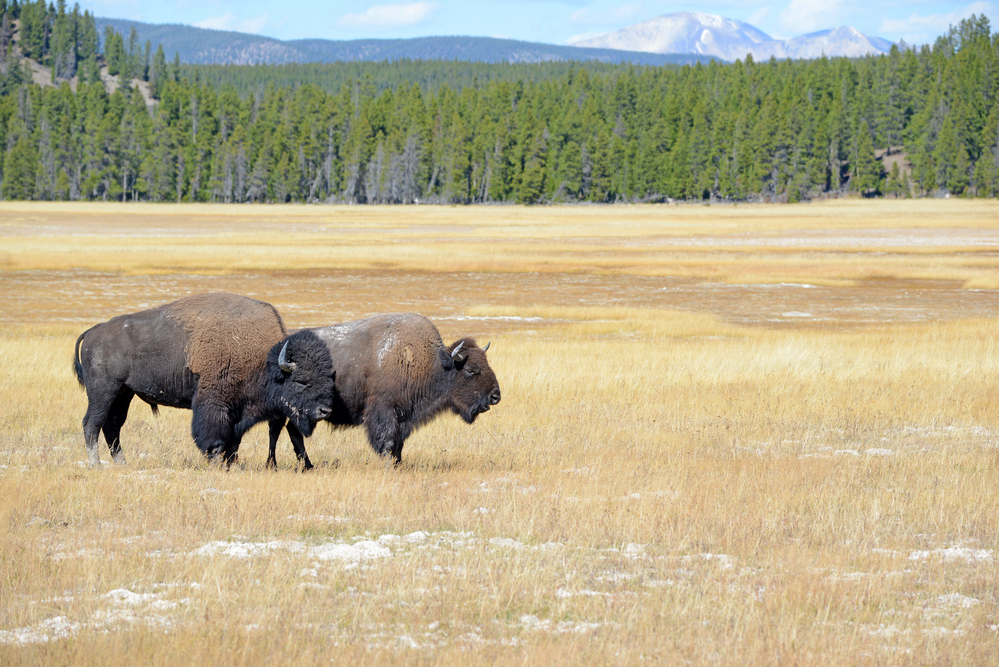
{"x":575,"y":39}
{"x":619,"y":14}
{"x":388,"y":17}
{"x":256,"y":25}
{"x":758,"y":16}
{"x":918,"y":29}
{"x":804,"y":16}
{"x":231,"y":21}
{"x":223,"y":22}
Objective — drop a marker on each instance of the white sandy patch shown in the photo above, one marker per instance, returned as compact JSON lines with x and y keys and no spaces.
{"x":350,"y":553}
{"x":333,"y":551}
{"x":363,"y":549}
{"x":951,"y":554}
{"x":318,"y":517}
{"x":506,"y":542}
{"x":246,"y":549}
{"x":122,"y":607}
{"x":563,"y":593}
{"x":884,"y":631}
{"x":957,"y":601}
{"x":49,"y":630}
{"x":531,"y":622}
{"x":724,"y":561}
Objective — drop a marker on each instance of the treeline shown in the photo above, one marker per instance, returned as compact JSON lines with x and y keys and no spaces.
{"x":777,"y":131}
{"x":429,"y":75}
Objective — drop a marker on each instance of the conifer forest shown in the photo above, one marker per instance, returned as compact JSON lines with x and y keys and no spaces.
{"x":453,"y":132}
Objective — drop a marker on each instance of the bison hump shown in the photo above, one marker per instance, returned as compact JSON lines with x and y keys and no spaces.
{"x":226,"y":333}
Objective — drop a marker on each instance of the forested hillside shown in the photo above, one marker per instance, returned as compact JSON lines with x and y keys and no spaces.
{"x":779,"y":130}
{"x":203,"y":46}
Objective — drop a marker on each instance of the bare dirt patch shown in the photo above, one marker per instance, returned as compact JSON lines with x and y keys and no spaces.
{"x":317,"y":297}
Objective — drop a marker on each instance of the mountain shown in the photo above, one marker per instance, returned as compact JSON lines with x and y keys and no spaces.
{"x":688,"y":31}
{"x":728,"y":39}
{"x":203,"y":46}
{"x":844,"y":41}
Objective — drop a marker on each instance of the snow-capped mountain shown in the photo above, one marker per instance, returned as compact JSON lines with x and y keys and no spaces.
{"x":844,"y":41}
{"x":728,"y":39}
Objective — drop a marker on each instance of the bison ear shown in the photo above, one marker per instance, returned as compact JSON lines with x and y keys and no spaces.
{"x":447,"y":363}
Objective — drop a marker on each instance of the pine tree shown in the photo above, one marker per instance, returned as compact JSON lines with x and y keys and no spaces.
{"x":20,"y":166}
{"x":951,"y":160}
{"x":159,"y":74}
{"x":865,"y":176}
{"x":33,"y":30}
{"x":132,"y":67}
{"x":114,"y":53}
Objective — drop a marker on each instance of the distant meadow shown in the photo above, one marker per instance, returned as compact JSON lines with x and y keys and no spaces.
{"x":729,"y":434}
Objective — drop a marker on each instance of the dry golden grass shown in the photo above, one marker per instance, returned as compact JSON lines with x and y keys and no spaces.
{"x":817,"y":242}
{"x":697,"y":466}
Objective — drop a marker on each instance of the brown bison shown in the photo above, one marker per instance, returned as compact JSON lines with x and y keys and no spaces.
{"x":226,"y":357}
{"x":394,"y":374}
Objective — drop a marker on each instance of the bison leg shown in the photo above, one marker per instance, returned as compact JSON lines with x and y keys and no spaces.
{"x":298,"y":443}
{"x":397,"y":450}
{"x":385,"y":434}
{"x":274,"y":427}
{"x":212,"y":430}
{"x":230,"y":454}
{"x":116,"y":417}
{"x":91,"y":432}
{"x":98,"y":405}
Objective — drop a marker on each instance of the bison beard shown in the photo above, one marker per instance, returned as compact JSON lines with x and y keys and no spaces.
{"x":394,"y":374}
{"x":224,"y":356}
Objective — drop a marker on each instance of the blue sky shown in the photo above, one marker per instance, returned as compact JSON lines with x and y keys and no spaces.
{"x":553,"y":21}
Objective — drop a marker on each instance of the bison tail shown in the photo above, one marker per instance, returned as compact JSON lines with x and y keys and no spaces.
{"x":77,"y":364}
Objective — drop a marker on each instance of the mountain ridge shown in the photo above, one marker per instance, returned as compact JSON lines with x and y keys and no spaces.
{"x":729,"y":39}
{"x":203,"y":46}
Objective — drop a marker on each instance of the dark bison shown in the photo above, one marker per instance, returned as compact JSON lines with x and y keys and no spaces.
{"x":394,"y":374}
{"x":226,"y":357}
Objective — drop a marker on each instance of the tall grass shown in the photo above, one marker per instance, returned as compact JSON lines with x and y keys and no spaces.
{"x":656,"y":486}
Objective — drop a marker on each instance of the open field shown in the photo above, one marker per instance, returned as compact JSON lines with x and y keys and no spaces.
{"x":728,"y":435}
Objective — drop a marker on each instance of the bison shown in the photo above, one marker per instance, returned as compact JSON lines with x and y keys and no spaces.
{"x":226,"y":357}
{"x":395,"y":374}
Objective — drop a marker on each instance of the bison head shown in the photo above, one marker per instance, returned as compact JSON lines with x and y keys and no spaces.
{"x":475,"y":388}
{"x":301,"y":380}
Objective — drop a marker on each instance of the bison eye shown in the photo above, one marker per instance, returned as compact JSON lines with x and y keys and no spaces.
{"x":471,"y":371}
{"x":304,"y":385}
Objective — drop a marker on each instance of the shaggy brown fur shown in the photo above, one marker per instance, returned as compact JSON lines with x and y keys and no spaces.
{"x":227,"y":335}
{"x":394,"y":374}
{"x":224,"y":356}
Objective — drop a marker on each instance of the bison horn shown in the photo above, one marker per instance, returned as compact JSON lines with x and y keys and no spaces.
{"x":455,"y":351}
{"x":487,"y":346}
{"x":283,"y":363}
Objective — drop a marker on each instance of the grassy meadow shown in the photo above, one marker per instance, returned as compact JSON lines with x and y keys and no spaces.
{"x":736,"y":435}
